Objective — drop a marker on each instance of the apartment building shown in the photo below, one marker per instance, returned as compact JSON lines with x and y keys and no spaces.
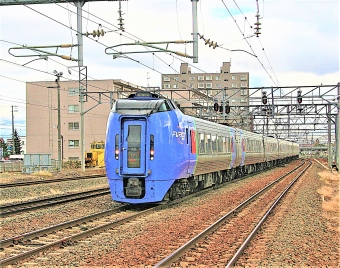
{"x":42,"y":115}
{"x":224,"y":85}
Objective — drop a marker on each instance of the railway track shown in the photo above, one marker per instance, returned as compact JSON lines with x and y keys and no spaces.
{"x":22,"y":246}
{"x":229,"y":236}
{"x":26,"y":183}
{"x":9,"y":209}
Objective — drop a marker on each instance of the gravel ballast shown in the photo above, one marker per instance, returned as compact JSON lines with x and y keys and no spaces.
{"x":303,"y":230}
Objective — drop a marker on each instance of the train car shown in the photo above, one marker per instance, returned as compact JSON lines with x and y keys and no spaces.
{"x":154,"y":152}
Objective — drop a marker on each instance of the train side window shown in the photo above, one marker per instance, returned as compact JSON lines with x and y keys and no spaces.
{"x":220,"y":144}
{"x":201,"y":143}
{"x":214,"y":143}
{"x":208,"y":143}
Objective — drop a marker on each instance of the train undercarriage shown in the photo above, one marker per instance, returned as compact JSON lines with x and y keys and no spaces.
{"x":186,"y":186}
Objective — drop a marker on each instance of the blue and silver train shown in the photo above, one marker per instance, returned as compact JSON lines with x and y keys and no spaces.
{"x":156,"y":153}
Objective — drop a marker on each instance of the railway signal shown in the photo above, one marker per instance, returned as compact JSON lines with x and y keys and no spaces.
{"x":299,"y":97}
{"x":227,"y":107}
{"x":216,"y":107}
{"x":264,"y":97}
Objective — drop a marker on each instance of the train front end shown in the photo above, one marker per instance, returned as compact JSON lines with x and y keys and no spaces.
{"x":140,"y":156}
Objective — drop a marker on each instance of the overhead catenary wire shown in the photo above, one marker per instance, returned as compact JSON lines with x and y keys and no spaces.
{"x":187,"y":86}
{"x":263,"y":50}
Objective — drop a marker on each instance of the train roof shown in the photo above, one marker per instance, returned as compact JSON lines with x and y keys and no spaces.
{"x":145,"y":95}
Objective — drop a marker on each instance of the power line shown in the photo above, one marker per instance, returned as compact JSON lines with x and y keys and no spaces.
{"x":248,"y":43}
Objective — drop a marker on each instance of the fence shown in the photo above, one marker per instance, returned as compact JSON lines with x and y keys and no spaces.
{"x":11,"y":166}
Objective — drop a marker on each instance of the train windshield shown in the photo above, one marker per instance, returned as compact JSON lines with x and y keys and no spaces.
{"x":140,"y":107}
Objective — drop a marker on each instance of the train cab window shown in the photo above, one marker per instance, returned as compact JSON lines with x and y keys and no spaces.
{"x":165,"y":106}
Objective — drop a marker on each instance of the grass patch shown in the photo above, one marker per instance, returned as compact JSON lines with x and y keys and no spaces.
{"x":42,"y":173}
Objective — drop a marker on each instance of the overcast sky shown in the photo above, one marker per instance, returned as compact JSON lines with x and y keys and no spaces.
{"x":298,"y":44}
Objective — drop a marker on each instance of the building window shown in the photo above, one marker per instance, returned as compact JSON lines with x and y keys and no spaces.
{"x":243,"y":100}
{"x":243,"y":92}
{"x":191,"y":85}
{"x":166,"y":85}
{"x":243,"y":84}
{"x":73,"y":91}
{"x":201,"y":85}
{"x":184,"y":81}
{"x":217,"y":77}
{"x":208,"y":78}
{"x":73,"y":143}
{"x":200,"y":78}
{"x":73,"y":158}
{"x":218,"y":85}
{"x":73,"y":126}
{"x":208,"y":85}
{"x":192,"y":78}
{"x":73,"y":109}
{"x":233,"y":77}
{"x":166,"y":78}
{"x":176,"y":78}
{"x":233,"y":85}
{"x":243,"y":77}
{"x":174,"y":86}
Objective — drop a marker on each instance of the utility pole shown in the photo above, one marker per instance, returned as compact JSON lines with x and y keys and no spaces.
{"x":195,"y":30}
{"x":79,"y":5}
{"x":59,"y":124}
{"x":58,"y":75}
{"x":13,"y":149}
{"x":337,"y":132}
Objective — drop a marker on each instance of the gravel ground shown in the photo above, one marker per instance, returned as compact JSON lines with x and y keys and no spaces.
{"x":304,"y":229}
{"x":32,"y":220}
{"x":306,"y":232}
{"x":145,"y":241}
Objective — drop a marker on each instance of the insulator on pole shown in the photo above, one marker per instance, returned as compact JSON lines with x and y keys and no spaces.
{"x":66,"y":45}
{"x":67,"y":58}
{"x":182,"y":54}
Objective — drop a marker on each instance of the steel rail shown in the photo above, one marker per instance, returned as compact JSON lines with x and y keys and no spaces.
{"x":66,"y":240}
{"x":9,"y":209}
{"x":180,"y":251}
{"x":260,"y":223}
{"x":26,"y":183}
{"x":24,"y":237}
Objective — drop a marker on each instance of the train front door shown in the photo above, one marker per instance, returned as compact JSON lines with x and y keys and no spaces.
{"x":133,"y":149}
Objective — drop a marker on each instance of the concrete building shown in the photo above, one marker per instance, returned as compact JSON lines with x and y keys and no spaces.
{"x":203,"y":89}
{"x":42,"y":115}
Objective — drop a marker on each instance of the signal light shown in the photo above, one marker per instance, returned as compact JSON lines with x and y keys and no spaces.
{"x":299,"y":97}
{"x":227,"y":108}
{"x":216,"y":107}
{"x":264,"y":97}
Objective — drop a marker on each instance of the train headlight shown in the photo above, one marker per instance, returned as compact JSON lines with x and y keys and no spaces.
{"x":116,"y":147}
{"x":152,"y":151}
